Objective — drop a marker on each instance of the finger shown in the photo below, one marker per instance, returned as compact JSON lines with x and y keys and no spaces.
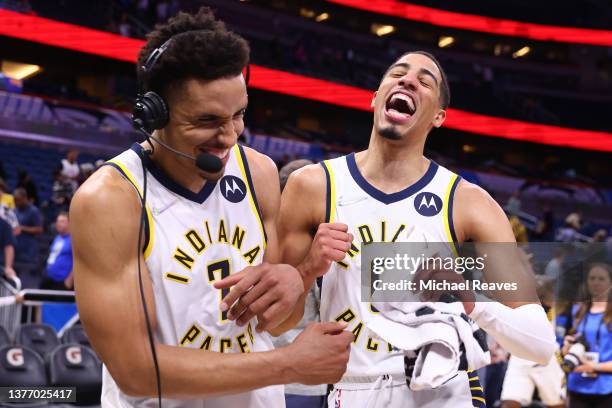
{"x":272,"y":317}
{"x":240,"y":289}
{"x":230,"y":281}
{"x":340,"y":236}
{"x":332,"y":327}
{"x":347,"y":336}
{"x":257,"y":308}
{"x":337,"y":226}
{"x":255,"y":293}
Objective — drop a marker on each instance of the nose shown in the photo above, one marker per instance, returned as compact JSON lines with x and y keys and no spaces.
{"x":408,"y":81}
{"x":227,"y":133}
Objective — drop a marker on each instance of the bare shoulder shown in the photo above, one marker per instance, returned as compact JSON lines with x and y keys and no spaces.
{"x":104,"y":190}
{"x":262,"y":167}
{"x":478,"y":216}
{"x":309,"y":180}
{"x":104,"y":213}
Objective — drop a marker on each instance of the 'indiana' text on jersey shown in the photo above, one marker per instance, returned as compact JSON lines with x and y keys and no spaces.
{"x":193,"y":240}
{"x":421,"y":212}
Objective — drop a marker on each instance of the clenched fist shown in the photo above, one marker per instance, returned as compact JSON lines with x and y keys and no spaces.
{"x":330,"y":244}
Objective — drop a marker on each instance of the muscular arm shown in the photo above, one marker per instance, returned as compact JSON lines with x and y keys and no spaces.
{"x":105,"y":216}
{"x":302,"y":210}
{"x":267,"y":189}
{"x":518,"y":323}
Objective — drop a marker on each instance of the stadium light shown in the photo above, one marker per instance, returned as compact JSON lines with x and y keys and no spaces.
{"x":382,"y":29}
{"x":522,"y":52}
{"x":304,"y":12}
{"x":445,"y":41}
{"x":483,"y":24}
{"x":322,"y":17}
{"x":81,"y":39}
{"x":18,"y":70}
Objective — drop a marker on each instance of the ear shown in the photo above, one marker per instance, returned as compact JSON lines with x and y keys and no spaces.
{"x":373,"y":99}
{"x":439,"y":118}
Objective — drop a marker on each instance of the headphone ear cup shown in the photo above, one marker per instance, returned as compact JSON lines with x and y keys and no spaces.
{"x":155,"y":110}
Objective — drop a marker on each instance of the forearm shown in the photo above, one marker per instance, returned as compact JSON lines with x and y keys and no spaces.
{"x":524,"y":331}
{"x":32,"y":230}
{"x":9,"y":256}
{"x":605,"y":367}
{"x":191,"y":373}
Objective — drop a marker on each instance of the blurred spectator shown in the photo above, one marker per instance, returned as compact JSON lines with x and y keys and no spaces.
{"x":6,"y":198}
{"x":590,"y":383}
{"x":124,"y":26}
{"x":519,"y":230}
{"x":30,"y":225}
{"x":59,"y":263}
{"x":554,"y":268}
{"x":62,"y":191}
{"x":513,"y":206}
{"x":7,"y":251}
{"x":87,"y":169}
{"x":25,"y":181}
{"x":544,"y":228}
{"x":70,"y":168}
{"x":569,"y":231}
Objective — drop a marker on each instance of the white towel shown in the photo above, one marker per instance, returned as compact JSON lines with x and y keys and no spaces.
{"x":446,"y":339}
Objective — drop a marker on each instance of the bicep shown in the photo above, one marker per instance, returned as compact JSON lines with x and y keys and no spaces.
{"x":302,"y":210}
{"x":484,"y":222}
{"x":106,"y":258}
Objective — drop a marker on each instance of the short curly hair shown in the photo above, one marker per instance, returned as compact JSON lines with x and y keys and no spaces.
{"x":201,"y":47}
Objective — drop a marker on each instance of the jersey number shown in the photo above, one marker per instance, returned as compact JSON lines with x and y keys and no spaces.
{"x":222,"y":266}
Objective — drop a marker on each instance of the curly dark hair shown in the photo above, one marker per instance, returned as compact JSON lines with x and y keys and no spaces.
{"x":201,"y":48}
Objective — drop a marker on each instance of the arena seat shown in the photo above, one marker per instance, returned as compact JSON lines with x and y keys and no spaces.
{"x":42,"y":338}
{"x":77,"y":366}
{"x":76,"y":334}
{"x":5,"y":338}
{"x":21,"y":366}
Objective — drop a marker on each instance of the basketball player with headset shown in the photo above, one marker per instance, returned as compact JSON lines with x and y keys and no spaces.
{"x":331,"y":210}
{"x":158,"y":226}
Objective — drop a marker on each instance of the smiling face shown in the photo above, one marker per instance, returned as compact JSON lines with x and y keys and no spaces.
{"x":407,"y":103}
{"x":206,"y":117}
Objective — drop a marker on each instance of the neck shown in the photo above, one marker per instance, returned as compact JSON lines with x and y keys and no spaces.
{"x":180,"y":169}
{"x":392,"y":165}
{"x":598,"y":305}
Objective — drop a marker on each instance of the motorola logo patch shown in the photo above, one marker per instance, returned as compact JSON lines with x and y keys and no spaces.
{"x":233,"y":189}
{"x":427,"y":204}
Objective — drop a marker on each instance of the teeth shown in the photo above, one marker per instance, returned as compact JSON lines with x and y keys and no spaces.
{"x":404,"y":97}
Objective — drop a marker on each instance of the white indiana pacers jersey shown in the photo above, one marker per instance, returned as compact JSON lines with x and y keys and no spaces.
{"x":374,"y":216}
{"x":191,"y":241}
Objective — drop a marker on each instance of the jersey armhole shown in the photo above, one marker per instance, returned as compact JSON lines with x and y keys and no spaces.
{"x":448,"y":216}
{"x":246,"y":173}
{"x":330,"y":192}
{"x":125,"y":173}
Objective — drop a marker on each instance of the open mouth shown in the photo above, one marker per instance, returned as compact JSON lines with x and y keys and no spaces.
{"x":222,"y":154}
{"x":400,"y":107}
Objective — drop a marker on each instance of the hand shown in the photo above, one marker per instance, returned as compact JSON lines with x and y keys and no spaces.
{"x":320,"y":353}
{"x":465,"y":296}
{"x":9,"y":272}
{"x":586,"y":367}
{"x":16,"y":230}
{"x":567,"y":343}
{"x":68,"y":282}
{"x":330,"y":244}
{"x":267,"y":291}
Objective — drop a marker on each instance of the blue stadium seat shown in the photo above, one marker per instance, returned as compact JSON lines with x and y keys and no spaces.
{"x":42,"y":338}
{"x":77,"y":366}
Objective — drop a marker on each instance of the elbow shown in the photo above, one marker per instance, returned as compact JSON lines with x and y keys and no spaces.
{"x":133,"y":381}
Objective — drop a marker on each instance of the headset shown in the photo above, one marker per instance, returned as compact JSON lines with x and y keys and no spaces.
{"x":151,"y":113}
